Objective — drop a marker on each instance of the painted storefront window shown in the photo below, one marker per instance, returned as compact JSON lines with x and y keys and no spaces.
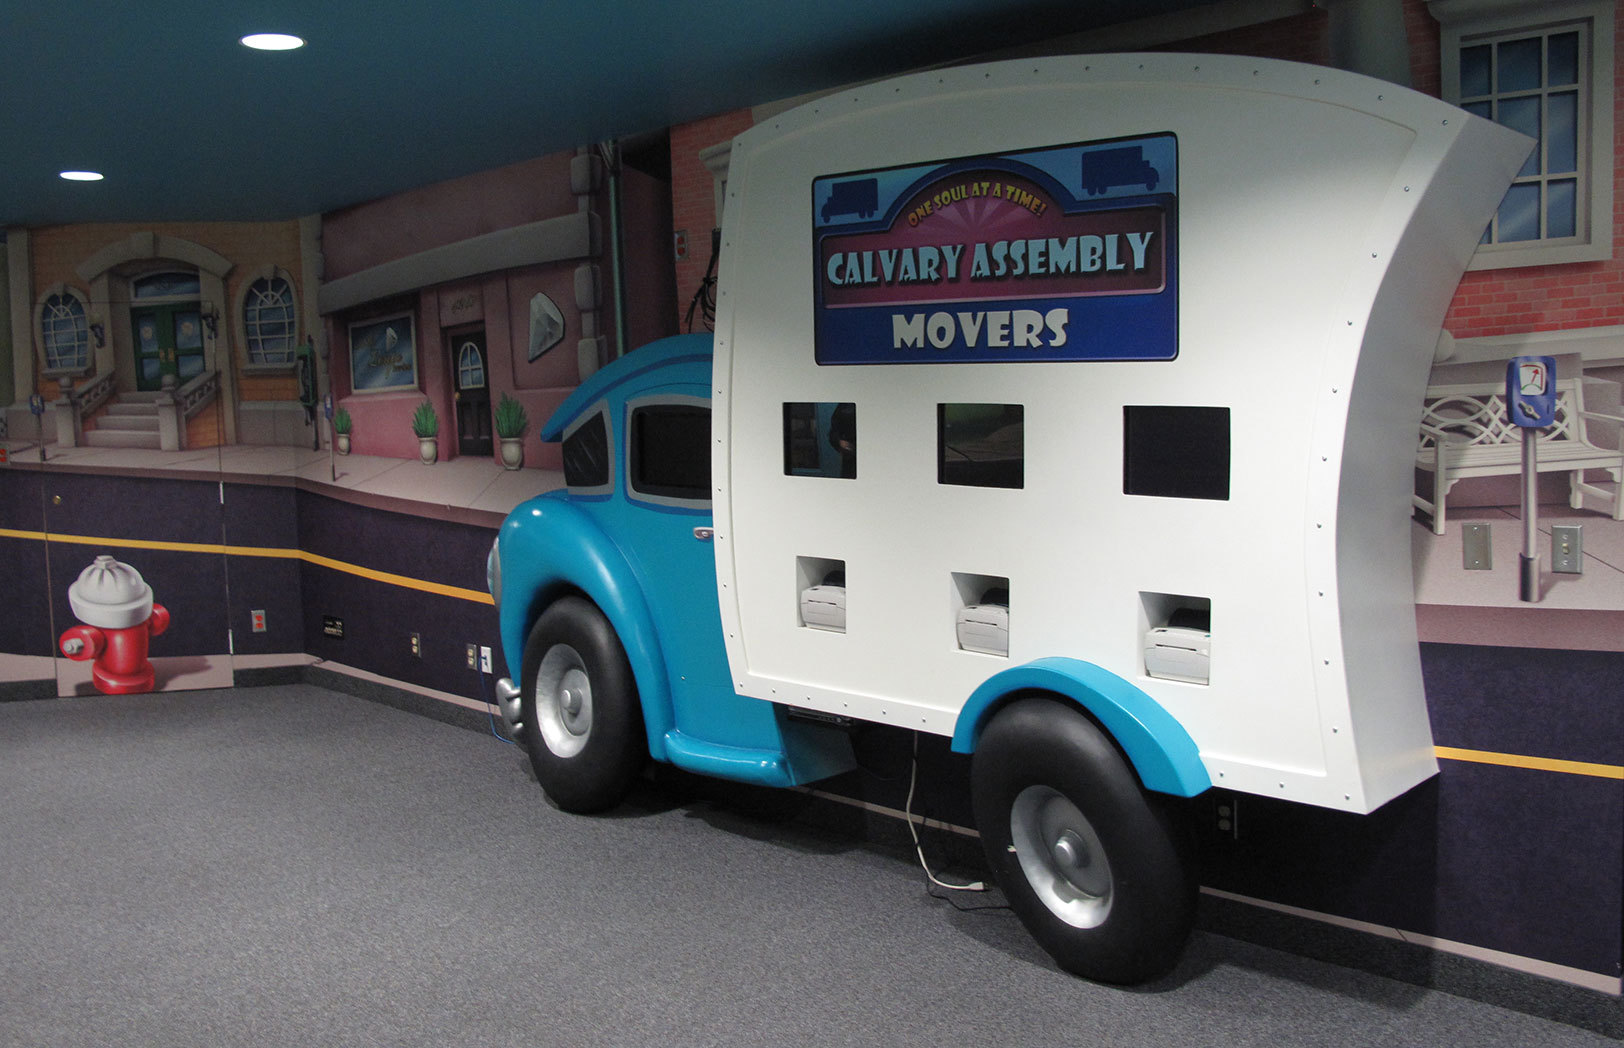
{"x":383,"y":354}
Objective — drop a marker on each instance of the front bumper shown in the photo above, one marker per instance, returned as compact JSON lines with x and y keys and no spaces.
{"x":507,"y":701}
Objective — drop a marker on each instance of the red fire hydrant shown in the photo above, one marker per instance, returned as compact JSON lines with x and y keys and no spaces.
{"x":114,"y":603}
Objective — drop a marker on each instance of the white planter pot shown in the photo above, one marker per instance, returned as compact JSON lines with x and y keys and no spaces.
{"x":342,"y":442}
{"x":512,"y":452}
{"x":428,"y":449}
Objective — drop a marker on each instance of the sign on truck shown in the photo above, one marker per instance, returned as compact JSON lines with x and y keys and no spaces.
{"x":1079,"y":432}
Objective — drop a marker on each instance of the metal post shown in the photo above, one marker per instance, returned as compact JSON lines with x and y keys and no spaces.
{"x":617,"y":262}
{"x":1528,"y":580}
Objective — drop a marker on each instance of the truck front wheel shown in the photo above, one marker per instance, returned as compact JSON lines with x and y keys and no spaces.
{"x":1097,"y":869}
{"x":586,"y":740}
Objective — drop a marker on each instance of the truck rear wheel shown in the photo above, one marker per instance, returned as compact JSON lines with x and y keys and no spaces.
{"x":585,"y":735}
{"x":1097,"y":869}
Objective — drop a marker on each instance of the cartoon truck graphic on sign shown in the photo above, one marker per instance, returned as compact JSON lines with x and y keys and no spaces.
{"x":857,"y":197}
{"x":1121,"y":503}
{"x":1105,"y":169}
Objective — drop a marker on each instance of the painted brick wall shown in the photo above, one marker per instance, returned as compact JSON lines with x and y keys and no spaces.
{"x":693,"y":197}
{"x":1543,"y":298}
{"x":1300,"y":38}
{"x":1421,"y":29}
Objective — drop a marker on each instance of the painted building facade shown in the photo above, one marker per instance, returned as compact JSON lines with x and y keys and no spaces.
{"x":498,"y":285}
{"x":168,"y":336}
{"x":514,"y":283}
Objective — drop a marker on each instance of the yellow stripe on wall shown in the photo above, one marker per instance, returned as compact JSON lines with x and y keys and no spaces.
{"x":1451,"y":753}
{"x":1512,"y":760}
{"x":272,"y":552}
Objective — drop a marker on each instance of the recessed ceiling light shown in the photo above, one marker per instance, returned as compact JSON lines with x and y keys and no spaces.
{"x":272,"y":41}
{"x":82,"y":176}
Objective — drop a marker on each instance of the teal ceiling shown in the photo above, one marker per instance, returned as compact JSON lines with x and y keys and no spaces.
{"x":187,"y":124}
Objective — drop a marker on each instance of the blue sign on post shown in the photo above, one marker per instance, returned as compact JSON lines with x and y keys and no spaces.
{"x":1531,"y":403}
{"x":1531,"y":391}
{"x":36,"y":404}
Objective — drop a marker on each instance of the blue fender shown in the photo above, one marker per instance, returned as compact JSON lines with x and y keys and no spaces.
{"x":549,"y":544}
{"x":1166,"y":759}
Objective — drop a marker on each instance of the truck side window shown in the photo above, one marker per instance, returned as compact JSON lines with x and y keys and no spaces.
{"x":670,"y":451}
{"x":586,"y":454}
{"x":820,"y":440}
{"x":1175,"y":452}
{"x":981,"y":445}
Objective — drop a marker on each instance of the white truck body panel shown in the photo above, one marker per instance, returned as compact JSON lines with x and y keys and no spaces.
{"x":1323,"y":222}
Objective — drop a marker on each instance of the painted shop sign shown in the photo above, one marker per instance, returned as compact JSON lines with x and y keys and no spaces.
{"x":383,"y":354}
{"x":1063,"y":253}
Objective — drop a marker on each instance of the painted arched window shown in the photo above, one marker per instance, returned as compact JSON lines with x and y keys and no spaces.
{"x":65,"y":332}
{"x":470,"y":367}
{"x":269,"y":321}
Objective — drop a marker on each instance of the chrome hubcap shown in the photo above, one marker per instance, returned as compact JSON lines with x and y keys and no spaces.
{"x":564,"y":701}
{"x":1061,"y":856}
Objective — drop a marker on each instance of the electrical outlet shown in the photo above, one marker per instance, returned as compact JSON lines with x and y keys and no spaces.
{"x":473,"y":656}
{"x":417,"y":646}
{"x":484,"y":659}
{"x":258,"y":619}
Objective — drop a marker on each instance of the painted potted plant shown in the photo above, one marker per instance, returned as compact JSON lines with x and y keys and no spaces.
{"x":511,"y":422}
{"x":426,"y":424}
{"x":341,"y":430}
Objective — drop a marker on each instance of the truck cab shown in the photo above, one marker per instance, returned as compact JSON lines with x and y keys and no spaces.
{"x":607,"y":595}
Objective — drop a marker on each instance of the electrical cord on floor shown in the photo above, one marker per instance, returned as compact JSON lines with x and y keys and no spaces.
{"x":907,"y":815}
{"x":490,"y":711}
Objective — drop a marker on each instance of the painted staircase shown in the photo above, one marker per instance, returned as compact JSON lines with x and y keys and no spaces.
{"x":131,"y":421}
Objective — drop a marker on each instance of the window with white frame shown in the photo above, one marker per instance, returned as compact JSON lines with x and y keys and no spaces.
{"x":269,"y":321}
{"x":1544,"y":69}
{"x":65,"y":332}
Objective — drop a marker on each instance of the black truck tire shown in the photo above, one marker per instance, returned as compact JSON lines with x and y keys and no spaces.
{"x":583,"y":721}
{"x":1098,"y":869}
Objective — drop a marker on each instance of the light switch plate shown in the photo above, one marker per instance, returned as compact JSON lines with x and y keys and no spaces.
{"x":1567,"y":548}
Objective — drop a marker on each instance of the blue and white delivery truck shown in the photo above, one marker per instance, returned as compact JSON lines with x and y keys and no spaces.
{"x":1106,"y":478}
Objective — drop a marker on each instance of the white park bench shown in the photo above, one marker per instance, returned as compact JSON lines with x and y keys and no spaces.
{"x":1465,"y":432}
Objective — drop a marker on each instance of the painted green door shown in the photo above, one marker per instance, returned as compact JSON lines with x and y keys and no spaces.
{"x":168,"y":341}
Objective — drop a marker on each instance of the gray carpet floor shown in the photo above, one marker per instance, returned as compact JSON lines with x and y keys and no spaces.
{"x":292,"y":866}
